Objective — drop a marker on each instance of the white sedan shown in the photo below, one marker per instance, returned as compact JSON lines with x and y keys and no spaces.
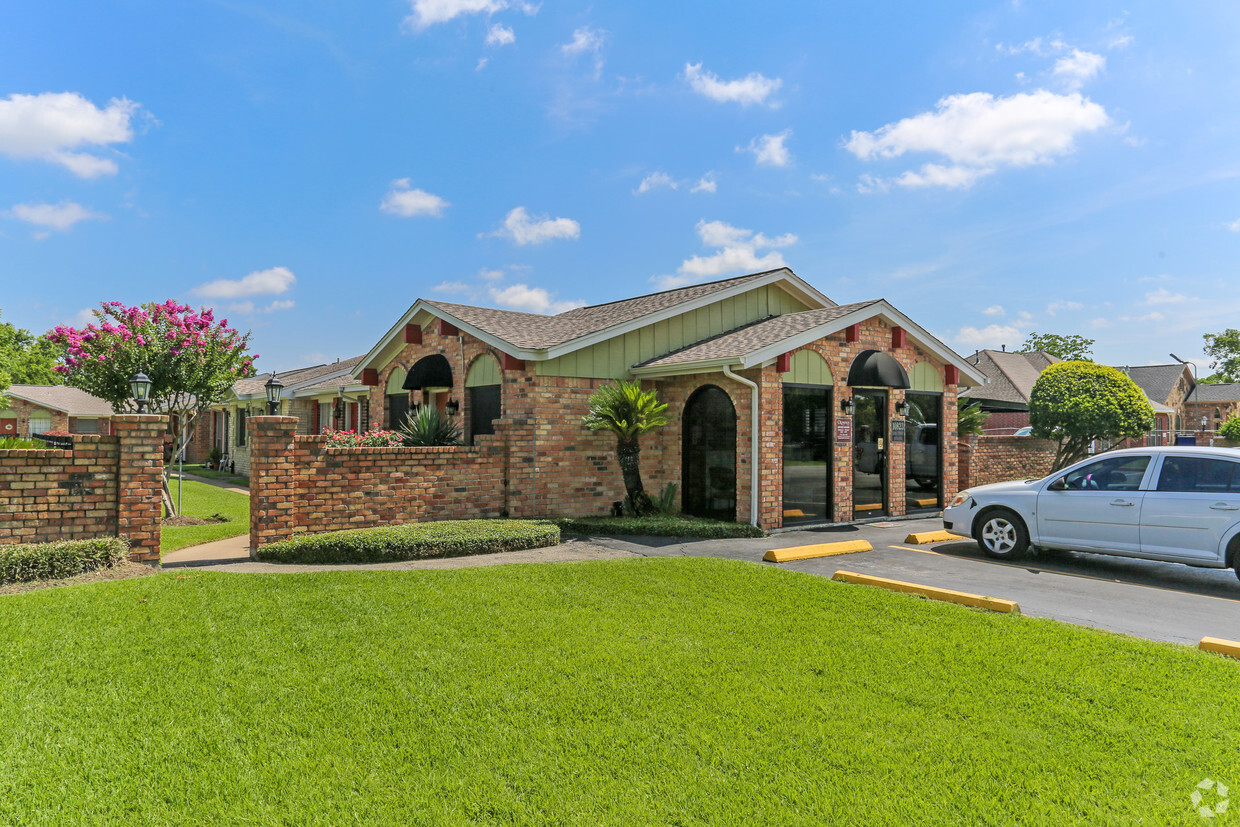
{"x":1175,"y":504}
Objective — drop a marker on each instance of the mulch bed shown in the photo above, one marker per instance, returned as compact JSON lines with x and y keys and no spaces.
{"x":183,"y":520}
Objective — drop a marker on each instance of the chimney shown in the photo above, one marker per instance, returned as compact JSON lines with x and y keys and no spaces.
{"x":1003,"y":348}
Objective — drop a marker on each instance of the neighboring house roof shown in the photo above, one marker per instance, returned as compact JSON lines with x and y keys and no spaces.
{"x":1009,"y":376}
{"x":537,"y":337}
{"x":72,"y":401}
{"x":1158,"y":382}
{"x":298,"y":380}
{"x":1216,"y":392}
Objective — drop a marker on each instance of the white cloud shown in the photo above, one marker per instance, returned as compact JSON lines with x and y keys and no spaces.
{"x":1078,"y":68}
{"x":656,"y":180}
{"x":490,"y":275}
{"x":1234,"y":226}
{"x":1024,"y":316}
{"x":1100,"y":323}
{"x":1164,"y":296}
{"x":753,"y":88}
{"x":60,"y":216}
{"x":531,"y":299}
{"x":48,"y":126}
{"x":429,"y":12}
{"x":707,"y":183}
{"x":994,"y":310}
{"x":982,"y":132}
{"x":990,"y":336}
{"x":769,"y":150}
{"x":499,"y":35}
{"x":248,"y":308}
{"x":934,"y":175}
{"x":1123,"y":41}
{"x":586,"y":41}
{"x":737,"y":250}
{"x":1035,"y":46}
{"x":259,"y":283}
{"x":524,"y":229}
{"x":451,"y":287}
{"x":482,"y":64}
{"x":1056,"y":306}
{"x":1153,"y":316}
{"x":406,"y":202}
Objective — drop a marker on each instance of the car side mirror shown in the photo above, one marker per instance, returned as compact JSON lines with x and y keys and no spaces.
{"x":1060,"y":484}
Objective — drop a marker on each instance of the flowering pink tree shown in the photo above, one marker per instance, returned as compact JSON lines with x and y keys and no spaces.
{"x":192,"y":360}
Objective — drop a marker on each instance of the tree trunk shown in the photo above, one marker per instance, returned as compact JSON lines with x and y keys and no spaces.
{"x":629,"y":455}
{"x":170,"y":506}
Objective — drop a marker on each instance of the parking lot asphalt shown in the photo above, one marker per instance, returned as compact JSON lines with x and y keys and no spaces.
{"x":1158,"y":601}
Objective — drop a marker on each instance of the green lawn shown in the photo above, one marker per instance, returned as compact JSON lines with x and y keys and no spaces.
{"x":208,"y":473}
{"x":647,"y":691}
{"x":201,"y":500}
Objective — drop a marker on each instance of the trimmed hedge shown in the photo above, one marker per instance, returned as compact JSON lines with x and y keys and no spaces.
{"x":53,"y":561}
{"x":658,"y":525}
{"x":412,"y":541}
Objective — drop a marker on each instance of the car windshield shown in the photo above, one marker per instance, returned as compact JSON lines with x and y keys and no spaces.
{"x":1110,"y":474}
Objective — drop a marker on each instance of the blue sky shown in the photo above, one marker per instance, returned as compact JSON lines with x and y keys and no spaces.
{"x":311,"y":168}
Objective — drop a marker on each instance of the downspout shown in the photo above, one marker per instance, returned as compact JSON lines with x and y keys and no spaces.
{"x":754,"y":432}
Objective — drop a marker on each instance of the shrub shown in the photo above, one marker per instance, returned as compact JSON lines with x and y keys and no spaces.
{"x":658,"y":526}
{"x":369,"y":439}
{"x":1079,"y":402}
{"x":12,"y":442}
{"x":413,"y":541}
{"x":428,"y":427}
{"x":1230,"y":429}
{"x":52,"y":561}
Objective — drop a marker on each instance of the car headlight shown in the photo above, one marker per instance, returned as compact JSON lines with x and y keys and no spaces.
{"x":960,"y":499}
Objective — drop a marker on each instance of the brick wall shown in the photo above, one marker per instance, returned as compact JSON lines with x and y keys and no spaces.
{"x":105,"y":486}
{"x":1005,"y":423}
{"x":988,"y":459}
{"x":299,"y":485}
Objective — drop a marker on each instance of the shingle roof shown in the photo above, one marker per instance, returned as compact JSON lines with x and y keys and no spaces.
{"x":531,"y":330}
{"x":748,"y":338}
{"x":1220,"y":392}
{"x":73,"y":401}
{"x":1156,"y":381}
{"x":1010,"y":376}
{"x":298,"y":378}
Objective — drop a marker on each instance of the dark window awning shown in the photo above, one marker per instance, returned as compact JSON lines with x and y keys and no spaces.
{"x":429,"y":372}
{"x":875,"y":369}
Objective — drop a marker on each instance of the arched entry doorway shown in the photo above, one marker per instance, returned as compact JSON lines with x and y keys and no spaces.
{"x":872,"y":375}
{"x":708,"y":455}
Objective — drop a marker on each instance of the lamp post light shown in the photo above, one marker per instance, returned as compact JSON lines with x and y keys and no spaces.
{"x":140,"y":387}
{"x":274,"y":388}
{"x":1205,"y":421}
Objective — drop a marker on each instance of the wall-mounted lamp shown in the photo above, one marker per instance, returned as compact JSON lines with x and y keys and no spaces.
{"x":274,"y":388}
{"x":1205,"y":421}
{"x":902,"y":408}
{"x":452,"y":407}
{"x":140,"y":387}
{"x":846,"y":405}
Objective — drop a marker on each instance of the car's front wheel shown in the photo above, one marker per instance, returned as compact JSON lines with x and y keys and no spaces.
{"x":1002,"y":534}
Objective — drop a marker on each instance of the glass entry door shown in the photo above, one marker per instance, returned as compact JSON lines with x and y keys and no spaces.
{"x":869,"y":453}
{"x":923,"y":452}
{"x":807,"y":454}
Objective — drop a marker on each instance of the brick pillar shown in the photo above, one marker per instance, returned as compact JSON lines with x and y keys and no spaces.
{"x":139,"y":482}
{"x":271,"y":478}
{"x":897,"y":487}
{"x":771,"y":448}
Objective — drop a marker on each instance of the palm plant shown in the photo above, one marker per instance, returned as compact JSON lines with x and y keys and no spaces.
{"x":428,"y":426}
{"x":628,"y":412}
{"x":970,"y":419}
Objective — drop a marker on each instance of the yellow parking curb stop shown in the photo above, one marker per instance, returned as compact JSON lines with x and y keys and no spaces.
{"x":977,"y":601}
{"x":1220,"y":645}
{"x":784,"y":555}
{"x":923,"y":537}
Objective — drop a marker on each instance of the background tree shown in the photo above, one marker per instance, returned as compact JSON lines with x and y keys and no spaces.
{"x":1078,"y":402}
{"x":1069,"y":348}
{"x":1224,"y":349}
{"x":1230,"y":429}
{"x":628,"y":412}
{"x":25,"y":359}
{"x":191,"y":359}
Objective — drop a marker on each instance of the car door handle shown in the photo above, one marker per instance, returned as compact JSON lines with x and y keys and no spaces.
{"x":1225,"y":507}
{"x":1123,"y":503}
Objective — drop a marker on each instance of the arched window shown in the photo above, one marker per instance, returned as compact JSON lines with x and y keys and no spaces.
{"x":708,"y":455}
{"x":482,"y":384}
{"x":397,"y":398}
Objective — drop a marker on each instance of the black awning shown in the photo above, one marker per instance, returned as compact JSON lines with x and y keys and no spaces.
{"x":875,"y":369}
{"x":429,"y":372}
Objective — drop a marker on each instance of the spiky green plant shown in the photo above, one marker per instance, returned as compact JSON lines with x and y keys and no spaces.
{"x":428,"y":426}
{"x":627,"y":411}
{"x":970,"y":419}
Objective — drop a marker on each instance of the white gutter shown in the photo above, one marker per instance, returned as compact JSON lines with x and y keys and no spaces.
{"x":754,"y":431}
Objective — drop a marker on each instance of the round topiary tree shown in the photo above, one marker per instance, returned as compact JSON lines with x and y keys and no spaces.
{"x":1230,"y":430}
{"x":1076,"y":403}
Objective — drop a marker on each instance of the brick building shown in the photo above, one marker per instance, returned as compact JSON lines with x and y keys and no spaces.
{"x":37,"y":409}
{"x":784,"y":407}
{"x":1009,"y":380}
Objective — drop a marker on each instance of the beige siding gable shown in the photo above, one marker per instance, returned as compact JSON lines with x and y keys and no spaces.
{"x":613,"y":358}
